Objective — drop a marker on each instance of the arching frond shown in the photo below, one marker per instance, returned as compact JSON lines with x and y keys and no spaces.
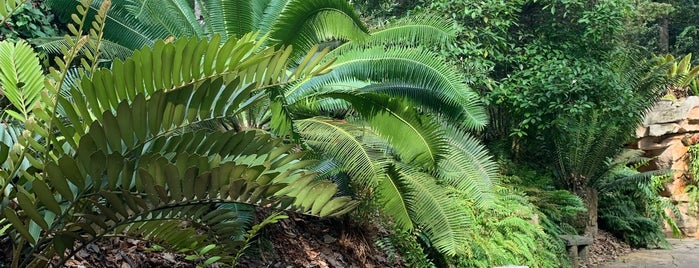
{"x":429,"y":203}
{"x":414,"y":31}
{"x":417,"y":68}
{"x":358,"y":151}
{"x":123,"y":29}
{"x":304,"y":23}
{"x":468,"y":167}
{"x":422,"y":30}
{"x":21,"y":78}
{"x":266,"y":16}
{"x":212,"y":12}
{"x":110,"y":50}
{"x":238,"y":17}
{"x":174,"y":15}
{"x":168,"y":188}
{"x":415,"y":139}
{"x":186,"y":62}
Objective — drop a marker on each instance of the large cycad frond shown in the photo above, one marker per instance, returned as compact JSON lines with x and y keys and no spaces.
{"x":109,"y":50}
{"x":415,"y":138}
{"x":304,"y":23}
{"x":410,"y":71}
{"x":21,"y":78}
{"x":125,"y":155}
{"x":124,"y":28}
{"x":468,"y":167}
{"x":583,"y":153}
{"x":416,"y":31}
{"x":177,"y":16}
{"x":114,"y":200}
{"x":230,"y":18}
{"x":358,"y":151}
{"x":431,"y":207}
{"x":421,"y":30}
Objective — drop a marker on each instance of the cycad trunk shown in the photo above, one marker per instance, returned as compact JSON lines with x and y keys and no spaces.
{"x":590,"y":198}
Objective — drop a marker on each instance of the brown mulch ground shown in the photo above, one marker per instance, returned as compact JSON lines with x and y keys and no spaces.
{"x":299,"y":241}
{"x":605,"y":248}
{"x":302,"y":241}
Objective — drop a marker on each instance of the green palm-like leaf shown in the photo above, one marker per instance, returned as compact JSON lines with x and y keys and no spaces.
{"x":409,"y":71}
{"x":304,"y":23}
{"x":415,"y":31}
{"x":174,"y":15}
{"x":358,"y":151}
{"x":185,"y":63}
{"x":429,"y":203}
{"x":468,"y":167}
{"x":238,"y":17}
{"x":110,"y":50}
{"x":415,"y":139}
{"x":21,"y":78}
{"x":124,"y":28}
{"x":174,"y":190}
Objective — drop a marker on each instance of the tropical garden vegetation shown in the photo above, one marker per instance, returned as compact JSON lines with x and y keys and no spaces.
{"x":474,"y":132}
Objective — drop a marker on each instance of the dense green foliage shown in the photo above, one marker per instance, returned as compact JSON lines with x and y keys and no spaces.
{"x":635,"y":212}
{"x":297,"y":104}
{"x":30,"y":20}
{"x":548,"y":69}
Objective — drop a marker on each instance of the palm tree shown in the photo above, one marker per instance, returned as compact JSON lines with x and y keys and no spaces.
{"x":392,"y":115}
{"x":127,"y":151}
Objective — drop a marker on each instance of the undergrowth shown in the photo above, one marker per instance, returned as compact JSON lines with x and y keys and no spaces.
{"x":511,"y":233}
{"x":31,"y":20}
{"x":634,"y":211}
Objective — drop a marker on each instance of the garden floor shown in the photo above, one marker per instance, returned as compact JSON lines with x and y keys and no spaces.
{"x":683,"y":253}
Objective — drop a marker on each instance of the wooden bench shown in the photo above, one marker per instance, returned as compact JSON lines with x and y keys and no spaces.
{"x":577,"y":248}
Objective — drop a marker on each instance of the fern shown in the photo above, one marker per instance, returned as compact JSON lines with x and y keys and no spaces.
{"x":632,"y":208}
{"x":505,"y":235}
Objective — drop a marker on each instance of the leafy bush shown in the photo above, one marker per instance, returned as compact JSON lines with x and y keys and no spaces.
{"x":507,"y":234}
{"x":631,"y":207}
{"x":403,"y":247}
{"x":32,"y":19}
{"x":560,"y":207}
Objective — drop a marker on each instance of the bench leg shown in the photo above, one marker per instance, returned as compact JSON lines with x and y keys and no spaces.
{"x":582,"y":253}
{"x":573,"y":254}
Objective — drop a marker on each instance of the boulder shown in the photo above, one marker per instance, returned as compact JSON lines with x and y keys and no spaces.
{"x":667,"y":131}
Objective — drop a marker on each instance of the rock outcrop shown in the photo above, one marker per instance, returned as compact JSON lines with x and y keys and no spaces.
{"x":666,"y":133}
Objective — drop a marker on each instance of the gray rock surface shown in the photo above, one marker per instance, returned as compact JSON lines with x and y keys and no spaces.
{"x":684,"y":253}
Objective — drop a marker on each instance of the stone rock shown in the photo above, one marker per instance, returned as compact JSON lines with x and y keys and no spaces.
{"x":665,"y":134}
{"x":666,"y":111}
{"x":657,"y":130}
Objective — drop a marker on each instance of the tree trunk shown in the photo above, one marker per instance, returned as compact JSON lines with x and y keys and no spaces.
{"x":590,"y":198}
{"x":664,"y":35}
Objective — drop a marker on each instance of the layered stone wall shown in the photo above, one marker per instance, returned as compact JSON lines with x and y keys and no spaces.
{"x":666,"y":133}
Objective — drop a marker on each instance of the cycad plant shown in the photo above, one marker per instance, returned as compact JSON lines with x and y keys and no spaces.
{"x":127,"y":151}
{"x":392,"y":115}
{"x":585,"y":146}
